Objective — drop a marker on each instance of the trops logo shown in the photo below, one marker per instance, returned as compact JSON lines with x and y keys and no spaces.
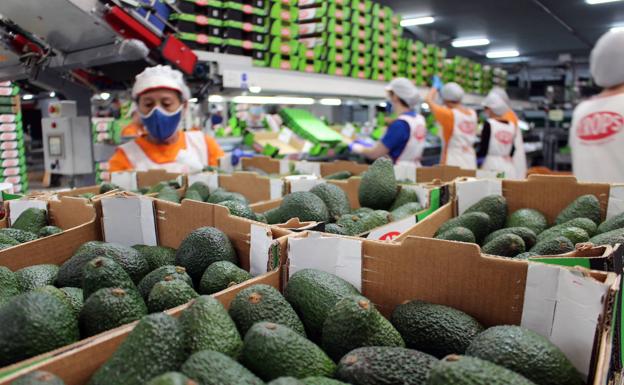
{"x":505,"y":137}
{"x":600,"y":125}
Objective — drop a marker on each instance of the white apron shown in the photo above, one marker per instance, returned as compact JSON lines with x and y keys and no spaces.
{"x":519,"y":156}
{"x":460,"y":148}
{"x":192,"y":159}
{"x":502,"y":137}
{"x":415,"y":146}
{"x":597,"y":139}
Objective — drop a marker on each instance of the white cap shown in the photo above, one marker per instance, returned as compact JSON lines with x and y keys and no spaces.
{"x":452,"y":92}
{"x":496,"y":104}
{"x":502,"y":93}
{"x":405,"y":90}
{"x":160,"y":76}
{"x":607,"y":60}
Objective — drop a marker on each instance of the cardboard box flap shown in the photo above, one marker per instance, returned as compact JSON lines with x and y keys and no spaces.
{"x":442,"y":173}
{"x":129,"y":220}
{"x":328,"y":168}
{"x":152,"y":177}
{"x":254,"y":187}
{"x":210,"y":179}
{"x":18,"y":206}
{"x":616,"y":201}
{"x":126,"y":180}
{"x":264,"y":163}
{"x":70,"y":212}
{"x":471,"y":191}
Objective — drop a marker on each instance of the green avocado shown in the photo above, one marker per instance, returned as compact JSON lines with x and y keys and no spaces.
{"x":405,"y":196}
{"x":221,"y":275}
{"x":526,"y":255}
{"x":273,"y":216}
{"x":156,"y":256}
{"x":404,"y":211}
{"x":239,"y":209}
{"x":31,"y":219}
{"x":613,"y":223}
{"x":378,"y":188}
{"x":505,"y":245}
{"x":585,"y":206}
{"x":32,"y":277}
{"x":530,"y":218}
{"x":272,"y":350}
{"x":495,"y":206}
{"x":9,"y":285}
{"x":462,"y":370}
{"x":340,"y":175}
{"x":19,"y":235}
{"x":193,"y":195}
{"x":201,"y":248}
{"x":385,"y":365}
{"x":155,"y":346}
{"x":103,"y":272}
{"x":148,"y":282}
{"x":335,"y":199}
{"x":109,"y":308}
{"x":459,"y":234}
{"x":357,"y":224}
{"x":574,"y":234}
{"x":221,"y":195}
{"x":263,"y":303}
{"x":553,"y":246}
{"x":477,"y":222}
{"x":584,"y":223}
{"x":318,"y":380}
{"x":38,"y":377}
{"x":303,"y":205}
{"x":46,"y":231}
{"x":106,"y":187}
{"x":334,"y":228}
{"x":207,"y":326}
{"x":169,"y":194}
{"x":354,"y":323}
{"x":612,"y":238}
{"x":75,"y":297}
{"x":527,"y":353}
{"x":169,"y":293}
{"x":213,"y":368}
{"x":435,"y":329}
{"x":202,"y":189}
{"x":286,"y":381}
{"x":527,"y":235}
{"x":172,"y":378}
{"x":7,"y":240}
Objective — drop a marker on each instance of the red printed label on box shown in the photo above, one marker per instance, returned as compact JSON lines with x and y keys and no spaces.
{"x":247,"y":27}
{"x":247,"y":44}
{"x":202,"y":39}
{"x":382,"y":14}
{"x":285,"y":65}
{"x":362,"y":47}
{"x":9,"y":154}
{"x":5,"y":91}
{"x":7,"y":127}
{"x":362,"y":7}
{"x":362,"y":20}
{"x":8,"y":136}
{"x":201,"y":20}
{"x":7,"y":118}
{"x":395,"y":68}
{"x":381,"y":27}
{"x":394,"y":56}
{"x":14,"y":179}
{"x":285,"y":15}
{"x":247,"y":8}
{"x":339,"y":57}
{"x":102,"y":136}
{"x":339,"y":29}
{"x":600,"y":125}
{"x":285,"y":32}
{"x":6,"y":83}
{"x":339,"y":71}
{"x":339,"y":43}
{"x":362,"y":34}
{"x":105,"y":175}
{"x":8,"y":145}
{"x":202,"y":3}
{"x":10,"y":162}
{"x":309,"y":54}
{"x":361,"y":61}
{"x":310,"y":68}
{"x":12,"y":171}
{"x":395,"y":44}
{"x":381,"y":65}
{"x":339,"y":14}
{"x":361,"y":74}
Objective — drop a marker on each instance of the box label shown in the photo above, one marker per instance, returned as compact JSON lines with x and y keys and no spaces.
{"x":393,"y":229}
{"x":127,"y":180}
{"x":129,"y":220}
{"x":471,"y":191}
{"x":616,"y":201}
{"x":259,"y":249}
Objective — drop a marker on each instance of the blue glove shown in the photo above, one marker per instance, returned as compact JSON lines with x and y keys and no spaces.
{"x":436,"y":82}
{"x":358,"y":144}
{"x":237,"y":154}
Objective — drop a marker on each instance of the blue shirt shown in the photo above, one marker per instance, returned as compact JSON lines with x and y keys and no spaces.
{"x":396,"y":136}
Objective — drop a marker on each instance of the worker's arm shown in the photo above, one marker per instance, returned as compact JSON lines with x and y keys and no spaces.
{"x":377,"y":151}
{"x":119,"y":161}
{"x":214,"y":151}
{"x":485,"y":140}
{"x":442,"y":114}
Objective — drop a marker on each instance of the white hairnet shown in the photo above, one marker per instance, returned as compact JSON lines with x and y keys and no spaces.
{"x":607,"y":60}
{"x":496,"y":104}
{"x":405,"y":90}
{"x":160,"y":77}
{"x":502,"y":93}
{"x":452,"y":92}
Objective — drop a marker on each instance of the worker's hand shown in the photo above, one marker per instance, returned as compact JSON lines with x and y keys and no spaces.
{"x":433,"y":93}
{"x":359,"y":145}
{"x":436,"y":83}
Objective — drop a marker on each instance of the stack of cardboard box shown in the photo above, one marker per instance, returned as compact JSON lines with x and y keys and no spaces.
{"x":12,"y":151}
{"x":284,"y":47}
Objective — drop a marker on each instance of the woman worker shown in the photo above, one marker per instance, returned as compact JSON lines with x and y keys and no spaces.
{"x":497,"y":137}
{"x":161,"y":97}
{"x":404,"y":140}
{"x":519,"y":156}
{"x":458,"y":126}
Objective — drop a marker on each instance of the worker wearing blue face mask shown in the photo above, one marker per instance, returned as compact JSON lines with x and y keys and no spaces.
{"x":161,"y":97}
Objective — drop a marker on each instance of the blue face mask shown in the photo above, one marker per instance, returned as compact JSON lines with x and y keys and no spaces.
{"x":388,"y":106}
{"x":160,"y":124}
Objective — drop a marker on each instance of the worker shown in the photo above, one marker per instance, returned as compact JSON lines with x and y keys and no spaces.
{"x":161,"y":96}
{"x":404,"y":140}
{"x":519,"y":156}
{"x":597,"y":131}
{"x":458,"y":126}
{"x":497,"y":137}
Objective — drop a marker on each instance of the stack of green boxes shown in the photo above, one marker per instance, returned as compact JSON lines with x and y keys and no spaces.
{"x":436,"y":58}
{"x":487,"y":81}
{"x":389,"y":49}
{"x":416,"y":62}
{"x":499,"y":78}
{"x":362,"y":39}
{"x":200,"y":23}
{"x":284,"y":46}
{"x":12,"y":151}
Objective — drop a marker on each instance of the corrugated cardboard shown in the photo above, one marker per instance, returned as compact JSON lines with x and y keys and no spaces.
{"x":254,"y":187}
{"x":356,"y":169}
{"x":442,"y":173}
{"x":173,"y":223}
{"x":264,"y":163}
{"x":287,"y":145}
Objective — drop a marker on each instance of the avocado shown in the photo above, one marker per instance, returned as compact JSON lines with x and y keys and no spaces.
{"x":35,"y":323}
{"x":213,"y":368}
{"x":340,"y":175}
{"x":8,"y":241}
{"x":361,"y":211}
{"x":172,"y":378}
{"x":173,"y":183}
{"x":526,"y":255}
{"x":477,"y":222}
{"x":553,"y":246}
{"x":49,"y":230}
{"x":221,"y":195}
{"x":273,"y":216}
{"x":169,"y":293}
{"x":148,"y":282}
{"x":613,"y":223}
{"x":260,"y":218}
{"x":462,"y":370}
{"x":207,"y":326}
{"x":221,"y":275}
{"x":272,"y":350}
{"x":411,"y":208}
{"x":155,"y":346}
{"x":334,"y":228}
{"x":357,"y":224}
{"x":505,"y":245}
{"x":435,"y":329}
{"x":527,"y":353}
{"x":385,"y":365}
{"x":88,"y":196}
{"x":403,"y":197}
{"x":49,"y":289}
{"x":38,"y":377}
{"x":585,"y":206}
{"x":459,"y":234}
{"x":9,"y":285}
{"x":313,"y":294}
{"x":584,"y":223}
{"x":201,"y":188}
{"x":202,"y":247}
{"x":530,"y":218}
{"x":353,"y":323}
{"x":335,"y":199}
{"x":612,"y":238}
{"x":263,"y":303}
{"x":495,"y":206}
{"x":71,"y":271}
{"x":31,"y":219}
{"x":32,"y":277}
{"x":103,"y":272}
{"x":303,"y":205}
{"x":168,"y":193}
{"x":109,"y":308}
{"x":106,"y":187}
{"x":75,"y":297}
{"x":239,"y":209}
{"x":316,"y":380}
{"x":527,"y":235}
{"x":378,"y":188}
{"x":156,"y":256}
{"x":193,"y":195}
{"x":19,"y":235}
{"x":574,"y":234}
{"x":286,"y":381}
{"x":158,"y":187}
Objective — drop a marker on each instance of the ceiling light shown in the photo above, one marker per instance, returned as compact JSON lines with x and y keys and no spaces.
{"x":458,"y":43}
{"x":255,"y":89}
{"x":618,"y":29}
{"x":502,"y":54}
{"x":52,"y":94}
{"x":330,"y":102}
{"x":411,"y":21}
{"x":594,"y":2}
{"x":383,"y":104}
{"x":28,"y":97}
{"x":193,"y":100}
{"x":215,"y":98}
{"x":104,"y":95}
{"x":272,"y":100}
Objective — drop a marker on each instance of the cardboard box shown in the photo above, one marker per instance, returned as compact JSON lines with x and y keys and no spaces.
{"x":575,"y":314}
{"x":256,"y":188}
{"x":256,"y":245}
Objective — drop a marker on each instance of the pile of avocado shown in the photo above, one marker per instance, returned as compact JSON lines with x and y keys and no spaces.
{"x":106,"y":285}
{"x":382,"y":201}
{"x":526,"y":232}
{"x":322,"y":331}
{"x":164,"y":190}
{"x":31,"y":224}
